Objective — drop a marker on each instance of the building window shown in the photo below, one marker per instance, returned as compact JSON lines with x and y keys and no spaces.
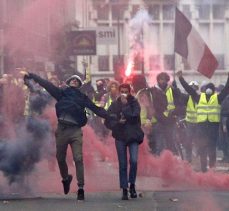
{"x":154,"y":38}
{"x":168,"y":43}
{"x":118,"y":63}
{"x":103,"y":63}
{"x":204,"y":29}
{"x":168,"y":12}
{"x":118,"y":11}
{"x":220,"y":59}
{"x":154,"y":11}
{"x":218,"y":11}
{"x":135,"y":9}
{"x":138,"y":63}
{"x":218,"y":32}
{"x":103,"y":12}
{"x":204,"y":11}
{"x":186,"y":64}
{"x":186,"y":10}
{"x":169,"y":62}
{"x":154,"y":62}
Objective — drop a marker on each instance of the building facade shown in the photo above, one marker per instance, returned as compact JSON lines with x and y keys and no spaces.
{"x":210,"y":18}
{"x":26,"y":31}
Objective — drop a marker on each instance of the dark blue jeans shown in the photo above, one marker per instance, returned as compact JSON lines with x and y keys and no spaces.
{"x":121,"y":148}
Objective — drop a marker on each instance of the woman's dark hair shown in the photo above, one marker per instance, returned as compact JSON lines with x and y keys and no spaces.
{"x":124,"y":85}
{"x":211,"y":86}
{"x":163,"y":75}
{"x":139,"y":82}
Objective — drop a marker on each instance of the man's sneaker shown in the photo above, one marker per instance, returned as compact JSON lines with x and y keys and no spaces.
{"x":66,"y":183}
{"x":80,"y":194}
{"x":133,"y":193}
{"x":124,"y":194}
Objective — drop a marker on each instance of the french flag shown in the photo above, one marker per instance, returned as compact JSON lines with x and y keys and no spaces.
{"x":189,"y":44}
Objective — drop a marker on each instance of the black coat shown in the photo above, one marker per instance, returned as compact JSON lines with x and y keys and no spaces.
{"x":70,"y":100}
{"x":130,"y":131}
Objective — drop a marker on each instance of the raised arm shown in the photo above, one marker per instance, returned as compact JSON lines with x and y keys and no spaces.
{"x":96,"y":109}
{"x":50,"y":88}
{"x":224,"y":91}
{"x":188,"y":88}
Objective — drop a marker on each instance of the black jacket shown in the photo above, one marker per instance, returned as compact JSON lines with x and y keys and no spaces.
{"x":130,"y":130}
{"x":196,"y":96}
{"x":70,"y":100}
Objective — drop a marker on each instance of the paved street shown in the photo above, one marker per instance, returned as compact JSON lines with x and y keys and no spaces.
{"x":104,"y":201}
{"x":165,"y":183}
{"x":103,"y":194}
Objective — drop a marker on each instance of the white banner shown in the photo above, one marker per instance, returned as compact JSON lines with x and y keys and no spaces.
{"x":106,"y":35}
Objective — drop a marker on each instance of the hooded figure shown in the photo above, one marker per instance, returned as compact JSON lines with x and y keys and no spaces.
{"x":162,"y":80}
{"x":70,"y":111}
{"x":72,"y":78}
{"x":210,"y":89}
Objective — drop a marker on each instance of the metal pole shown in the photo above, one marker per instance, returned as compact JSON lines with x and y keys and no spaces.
{"x":143,"y":54}
{"x":2,"y":23}
{"x":118,"y":26}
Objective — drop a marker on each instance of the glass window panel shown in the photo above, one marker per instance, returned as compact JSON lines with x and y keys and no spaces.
{"x":103,"y":12}
{"x":116,"y":48}
{"x":103,"y":63}
{"x":118,"y":62}
{"x":168,"y":12}
{"x":169,"y":62}
{"x":154,"y":38}
{"x":186,"y":10}
{"x":220,"y":59}
{"x":204,"y":32}
{"x":218,"y":11}
{"x":154,"y":62}
{"x":135,"y":9}
{"x":154,"y":11}
{"x":168,"y":41}
{"x":186,"y":64}
{"x":204,"y":11}
{"x":118,"y":11}
{"x":138,"y":63}
{"x":218,"y":37}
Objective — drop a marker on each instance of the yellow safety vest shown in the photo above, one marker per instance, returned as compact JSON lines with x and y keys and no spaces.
{"x":191,"y":111}
{"x":208,"y":111}
{"x":170,"y":100}
{"x":108,"y":103}
{"x":143,"y":116}
{"x":95,"y":101}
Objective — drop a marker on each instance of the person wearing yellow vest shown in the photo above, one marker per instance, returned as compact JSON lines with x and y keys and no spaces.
{"x":208,"y":118}
{"x":111,"y":95}
{"x":143,"y":93}
{"x":166,"y":101}
{"x":105,"y":102}
{"x":95,"y":121}
{"x":191,"y":123}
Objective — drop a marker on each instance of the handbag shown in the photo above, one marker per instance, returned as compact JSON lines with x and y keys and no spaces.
{"x":133,"y":133}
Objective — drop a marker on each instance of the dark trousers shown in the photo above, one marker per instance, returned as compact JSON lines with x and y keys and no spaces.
{"x":223,"y":142}
{"x":164,"y":136}
{"x":190,"y":139}
{"x":72,"y":136}
{"x":121,"y":148}
{"x":206,"y":143}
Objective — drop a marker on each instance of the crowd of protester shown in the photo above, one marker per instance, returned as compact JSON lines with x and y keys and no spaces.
{"x":188,"y":123}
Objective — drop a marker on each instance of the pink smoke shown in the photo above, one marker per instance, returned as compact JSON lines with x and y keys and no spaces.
{"x":177,"y":172}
